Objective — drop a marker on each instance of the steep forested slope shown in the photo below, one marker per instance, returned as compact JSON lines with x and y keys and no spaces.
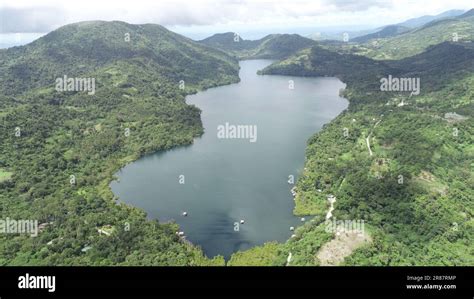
{"x":60,"y":149}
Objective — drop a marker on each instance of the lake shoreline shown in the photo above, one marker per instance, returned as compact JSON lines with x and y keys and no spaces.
{"x":254,"y":234}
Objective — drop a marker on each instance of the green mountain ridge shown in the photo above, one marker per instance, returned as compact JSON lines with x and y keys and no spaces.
{"x":273,"y":46}
{"x":385,"y":31}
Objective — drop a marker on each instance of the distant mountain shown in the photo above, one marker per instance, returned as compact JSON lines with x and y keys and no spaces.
{"x":388,"y":31}
{"x":339,"y":35}
{"x":420,"y":21}
{"x":273,"y":46}
{"x":463,"y":16}
{"x":456,"y":29}
{"x":362,"y":36}
{"x":400,"y":28}
{"x":468,"y":13}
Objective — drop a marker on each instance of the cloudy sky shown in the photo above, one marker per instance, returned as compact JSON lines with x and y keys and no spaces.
{"x":218,"y":15}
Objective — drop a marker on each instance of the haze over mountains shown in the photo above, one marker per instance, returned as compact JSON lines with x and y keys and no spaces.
{"x":387,"y":30}
{"x":420,"y":21}
{"x":397,"y":29}
{"x":415,"y":41}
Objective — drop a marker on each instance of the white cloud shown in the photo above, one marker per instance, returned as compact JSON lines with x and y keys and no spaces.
{"x":46,"y":15}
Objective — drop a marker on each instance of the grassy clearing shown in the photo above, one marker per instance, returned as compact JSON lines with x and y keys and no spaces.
{"x":5,"y":175}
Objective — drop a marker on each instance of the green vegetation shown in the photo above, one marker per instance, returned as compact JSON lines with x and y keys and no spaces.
{"x":138,"y":108}
{"x":92,"y":47}
{"x":415,"y":191}
{"x":266,"y":255}
{"x":300,"y":250}
{"x":5,"y":176}
{"x":405,"y":166}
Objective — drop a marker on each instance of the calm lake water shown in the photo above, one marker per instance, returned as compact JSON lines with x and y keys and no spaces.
{"x":228,"y":180}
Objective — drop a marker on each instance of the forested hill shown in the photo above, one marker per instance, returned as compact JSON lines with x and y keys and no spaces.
{"x":82,"y":48}
{"x":230,"y":41}
{"x":400,"y":161}
{"x":273,"y":46}
{"x":436,"y":65}
{"x":60,"y":149}
{"x":317,"y":61}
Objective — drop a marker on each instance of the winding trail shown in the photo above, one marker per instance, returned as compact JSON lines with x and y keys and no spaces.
{"x":332,"y":200}
{"x":367,"y":140}
{"x":368,"y":145}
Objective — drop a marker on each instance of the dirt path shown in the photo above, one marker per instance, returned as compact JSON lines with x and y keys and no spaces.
{"x":367,"y":140}
{"x":332,"y":200}
{"x":368,"y":145}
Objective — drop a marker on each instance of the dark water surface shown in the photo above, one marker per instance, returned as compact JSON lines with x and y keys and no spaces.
{"x":228,"y":180}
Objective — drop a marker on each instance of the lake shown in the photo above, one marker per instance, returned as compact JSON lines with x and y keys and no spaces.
{"x":221,"y":181}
